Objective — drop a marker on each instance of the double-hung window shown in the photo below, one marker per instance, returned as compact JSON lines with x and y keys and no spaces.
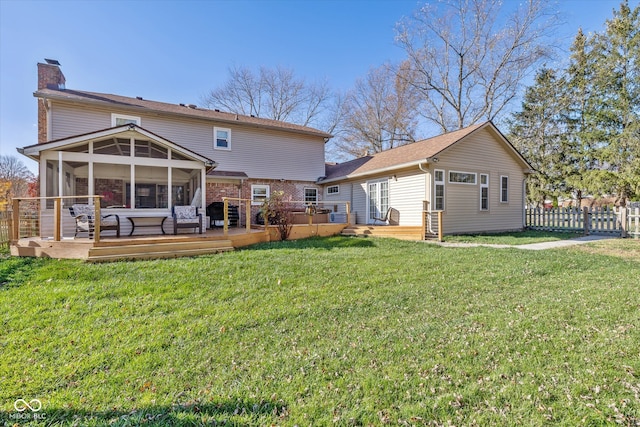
{"x":484,"y":192}
{"x":221,"y":138}
{"x":259,"y":193}
{"x":311,"y":195}
{"x":438,"y":184}
{"x":504,"y":189}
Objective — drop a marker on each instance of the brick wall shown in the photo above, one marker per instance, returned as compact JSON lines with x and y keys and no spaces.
{"x":49,"y":76}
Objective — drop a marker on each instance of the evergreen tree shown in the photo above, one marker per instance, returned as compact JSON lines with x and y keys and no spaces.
{"x":538,"y":133}
{"x":617,"y":90}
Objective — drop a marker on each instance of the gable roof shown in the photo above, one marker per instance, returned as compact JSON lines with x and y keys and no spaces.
{"x":141,"y":106}
{"x":419,"y":152}
{"x":33,"y":151}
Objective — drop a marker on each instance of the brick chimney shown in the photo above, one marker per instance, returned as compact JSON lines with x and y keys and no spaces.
{"x":49,"y":77}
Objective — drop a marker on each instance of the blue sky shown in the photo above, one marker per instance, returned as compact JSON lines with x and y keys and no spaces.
{"x":175,"y":51}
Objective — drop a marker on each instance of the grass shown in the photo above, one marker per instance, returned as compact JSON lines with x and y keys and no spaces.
{"x":327,"y":331}
{"x":514,"y":238}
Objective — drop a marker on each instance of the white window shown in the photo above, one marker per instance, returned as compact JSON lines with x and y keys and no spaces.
{"x":333,"y":189}
{"x":122,"y":119}
{"x":221,"y":138}
{"x":438,"y":181}
{"x":504,"y":189}
{"x":311,"y":195}
{"x":484,"y":192}
{"x":462,"y":177}
{"x":259,"y":193}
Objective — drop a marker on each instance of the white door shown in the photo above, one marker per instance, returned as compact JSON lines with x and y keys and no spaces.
{"x":377,"y":199}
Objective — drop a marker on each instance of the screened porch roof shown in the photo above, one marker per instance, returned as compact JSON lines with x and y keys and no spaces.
{"x":124,"y":131}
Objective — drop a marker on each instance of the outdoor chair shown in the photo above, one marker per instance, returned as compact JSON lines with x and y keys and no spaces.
{"x":85,"y":220}
{"x":186,"y":217}
{"x":384,"y":219}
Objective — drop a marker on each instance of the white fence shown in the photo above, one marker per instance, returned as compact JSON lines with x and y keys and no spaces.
{"x":612,"y":221}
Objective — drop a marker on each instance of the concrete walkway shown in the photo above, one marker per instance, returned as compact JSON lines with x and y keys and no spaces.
{"x":531,"y":246}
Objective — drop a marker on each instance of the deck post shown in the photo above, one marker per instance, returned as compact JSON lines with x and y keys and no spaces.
{"x":225,"y":220}
{"x":15,"y":215}
{"x":248,"y":215}
{"x":57,"y":205}
{"x":96,"y":233}
{"x":440,"y":231}
{"x":348,"y":208}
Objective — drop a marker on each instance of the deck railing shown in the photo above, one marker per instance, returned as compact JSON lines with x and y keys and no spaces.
{"x":21,"y":215}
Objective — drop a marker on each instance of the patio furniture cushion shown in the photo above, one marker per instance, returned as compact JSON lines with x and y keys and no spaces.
{"x":85,"y":220}
{"x":186,"y":217}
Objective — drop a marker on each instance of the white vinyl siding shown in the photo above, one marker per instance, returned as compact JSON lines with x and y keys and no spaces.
{"x":482,"y":153}
{"x":258,"y":152}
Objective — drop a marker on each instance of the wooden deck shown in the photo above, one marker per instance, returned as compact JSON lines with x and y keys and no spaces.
{"x":159,"y":246}
{"x":396,"y":231}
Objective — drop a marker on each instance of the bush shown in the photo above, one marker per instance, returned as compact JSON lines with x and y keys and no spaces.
{"x":279,"y":212}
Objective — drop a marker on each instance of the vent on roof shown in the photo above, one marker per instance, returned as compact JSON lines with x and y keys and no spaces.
{"x":252,"y":115}
{"x":52,"y":61}
{"x":193,"y":106}
{"x":139,"y":97}
{"x":216,"y":110}
{"x":182,"y":105}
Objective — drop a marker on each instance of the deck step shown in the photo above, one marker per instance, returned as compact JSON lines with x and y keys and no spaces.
{"x":158,"y":250}
{"x":397,"y":232}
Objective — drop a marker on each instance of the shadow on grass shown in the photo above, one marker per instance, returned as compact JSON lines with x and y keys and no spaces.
{"x":232,"y":412}
{"x":327,"y":243}
{"x":13,"y":269}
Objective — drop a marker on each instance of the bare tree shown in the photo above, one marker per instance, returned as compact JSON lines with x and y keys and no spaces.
{"x":379,"y":113}
{"x":14,"y":178}
{"x":273,"y":94}
{"x":468,"y":62}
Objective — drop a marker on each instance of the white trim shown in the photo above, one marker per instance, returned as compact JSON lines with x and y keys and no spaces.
{"x":305,"y":194}
{"x":267,"y":187}
{"x":502,"y":200}
{"x":475,"y":177}
{"x":337,"y":187}
{"x":129,"y":119}
{"x":217,"y":129}
{"x":437,"y":182}
{"x":483,"y":186}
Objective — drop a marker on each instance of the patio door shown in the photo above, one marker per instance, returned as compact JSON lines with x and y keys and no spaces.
{"x":377,"y":199}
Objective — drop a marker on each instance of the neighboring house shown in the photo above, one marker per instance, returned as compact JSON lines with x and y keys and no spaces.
{"x":146,"y":155}
{"x":474,"y":175}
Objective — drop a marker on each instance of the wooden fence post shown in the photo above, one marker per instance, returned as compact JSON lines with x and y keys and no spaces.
{"x":348,"y":209}
{"x":440,"y":230}
{"x":248,"y":215}
{"x":623,"y":221}
{"x":15,"y":229}
{"x":225,"y":219}
{"x":586,"y":223}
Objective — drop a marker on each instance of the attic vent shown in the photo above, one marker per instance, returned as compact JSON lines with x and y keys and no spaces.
{"x":139,"y":97}
{"x":194,"y":106}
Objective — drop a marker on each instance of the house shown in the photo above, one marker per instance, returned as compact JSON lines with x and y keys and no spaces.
{"x":147,"y":156}
{"x":474,"y":176}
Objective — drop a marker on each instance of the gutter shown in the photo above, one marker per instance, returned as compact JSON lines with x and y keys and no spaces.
{"x":417,"y":163}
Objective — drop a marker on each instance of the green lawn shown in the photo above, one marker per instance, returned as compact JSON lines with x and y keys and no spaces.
{"x":326,"y":331}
